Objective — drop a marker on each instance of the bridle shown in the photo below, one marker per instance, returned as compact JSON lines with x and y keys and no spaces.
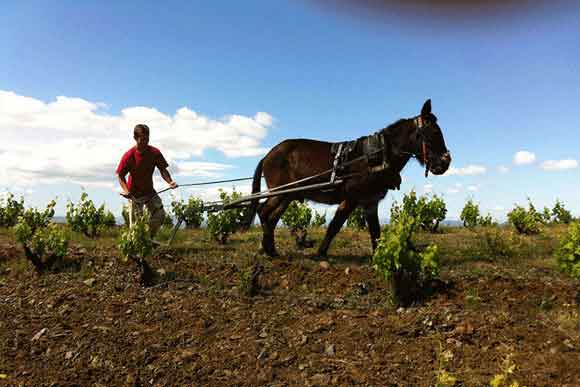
{"x":420,"y":125}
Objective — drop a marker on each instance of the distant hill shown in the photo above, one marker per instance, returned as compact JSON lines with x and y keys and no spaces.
{"x":59,"y":219}
{"x":62,"y":220}
{"x":452,"y":223}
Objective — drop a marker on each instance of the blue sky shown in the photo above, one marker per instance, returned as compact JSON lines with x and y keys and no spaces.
{"x":253,"y":73}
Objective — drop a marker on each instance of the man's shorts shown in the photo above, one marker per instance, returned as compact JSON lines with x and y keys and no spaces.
{"x":154,"y":206}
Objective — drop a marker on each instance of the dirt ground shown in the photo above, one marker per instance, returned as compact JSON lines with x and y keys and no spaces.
{"x":312,"y":322}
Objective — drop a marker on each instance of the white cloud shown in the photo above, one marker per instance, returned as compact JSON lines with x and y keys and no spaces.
{"x":455,"y":188}
{"x":470,"y":170}
{"x":428,"y":188}
{"x":197,"y":168}
{"x":524,"y":158}
{"x":263,"y":119}
{"x":473,"y":188}
{"x":503,"y":169}
{"x":558,"y":165}
{"x":212,"y":194}
{"x":97,"y":184}
{"x":73,"y":140}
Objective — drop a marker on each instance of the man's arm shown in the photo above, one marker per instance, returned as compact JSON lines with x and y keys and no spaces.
{"x":123,"y":184}
{"x":167,"y":177}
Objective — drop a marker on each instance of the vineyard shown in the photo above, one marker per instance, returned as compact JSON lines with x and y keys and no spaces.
{"x":494,"y":304}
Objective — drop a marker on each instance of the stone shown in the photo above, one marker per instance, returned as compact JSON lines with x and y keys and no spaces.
{"x":330,"y":350}
{"x":90,"y":281}
{"x":262,"y":354}
{"x":40,"y":333}
{"x":324,"y":265}
{"x":186,"y":356}
{"x":320,"y":380}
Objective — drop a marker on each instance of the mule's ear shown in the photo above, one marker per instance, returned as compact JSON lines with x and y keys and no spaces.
{"x":426,"y":110}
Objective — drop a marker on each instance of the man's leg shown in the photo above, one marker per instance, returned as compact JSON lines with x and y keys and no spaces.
{"x":135,"y":211}
{"x":155,"y":207}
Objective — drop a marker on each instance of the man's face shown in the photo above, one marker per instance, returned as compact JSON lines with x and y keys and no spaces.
{"x":141,"y":139}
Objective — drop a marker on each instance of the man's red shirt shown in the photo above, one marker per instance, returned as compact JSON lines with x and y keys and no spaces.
{"x":140,"y":167}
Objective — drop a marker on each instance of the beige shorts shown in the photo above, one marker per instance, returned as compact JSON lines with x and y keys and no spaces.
{"x":154,"y":206}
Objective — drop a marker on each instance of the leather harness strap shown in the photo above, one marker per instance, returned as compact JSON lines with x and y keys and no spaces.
{"x":335,"y":163}
{"x":419,"y":123}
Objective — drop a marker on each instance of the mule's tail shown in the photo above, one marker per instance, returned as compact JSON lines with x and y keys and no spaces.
{"x":253,"y":207}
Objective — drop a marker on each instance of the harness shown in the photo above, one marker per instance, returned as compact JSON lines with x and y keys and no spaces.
{"x":373,"y":149}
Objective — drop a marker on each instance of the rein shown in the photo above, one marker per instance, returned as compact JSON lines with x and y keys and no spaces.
{"x":425,"y":158}
{"x":147,"y":198}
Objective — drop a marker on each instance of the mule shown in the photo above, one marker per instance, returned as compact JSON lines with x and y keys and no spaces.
{"x":291,"y":160}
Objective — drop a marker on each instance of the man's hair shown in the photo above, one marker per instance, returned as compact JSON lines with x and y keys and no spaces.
{"x":142,"y":128}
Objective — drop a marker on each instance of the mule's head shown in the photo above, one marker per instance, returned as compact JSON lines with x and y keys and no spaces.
{"x":432,"y":152}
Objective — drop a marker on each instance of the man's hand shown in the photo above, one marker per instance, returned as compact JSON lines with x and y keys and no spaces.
{"x":173,"y":185}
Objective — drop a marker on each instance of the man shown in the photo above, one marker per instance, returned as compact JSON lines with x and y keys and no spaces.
{"x":140,"y":162}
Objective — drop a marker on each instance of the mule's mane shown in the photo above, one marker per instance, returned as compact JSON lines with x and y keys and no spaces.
{"x":394,"y":131}
{"x":395,"y":125}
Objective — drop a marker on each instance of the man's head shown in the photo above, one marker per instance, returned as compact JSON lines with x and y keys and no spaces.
{"x":141,"y":136}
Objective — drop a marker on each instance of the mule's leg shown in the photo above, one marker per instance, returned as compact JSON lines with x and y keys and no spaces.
{"x":264,"y":211}
{"x":341,"y":215}
{"x":270,"y":213}
{"x":372,"y":218}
